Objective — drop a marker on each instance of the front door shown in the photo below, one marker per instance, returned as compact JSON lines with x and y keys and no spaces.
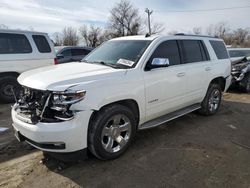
{"x":165,"y":87}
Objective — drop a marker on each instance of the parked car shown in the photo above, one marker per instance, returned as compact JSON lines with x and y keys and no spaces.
{"x":66,"y":54}
{"x":21,"y":51}
{"x":241,"y":74}
{"x":126,"y":84}
{"x":238,"y":53}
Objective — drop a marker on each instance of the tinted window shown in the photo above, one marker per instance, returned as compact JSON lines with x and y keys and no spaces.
{"x":66,"y":53}
{"x":14,"y":44}
{"x":168,"y":49}
{"x":193,"y":51}
{"x":41,"y":43}
{"x":219,"y":49}
{"x":76,"y":52}
{"x":239,"y":53}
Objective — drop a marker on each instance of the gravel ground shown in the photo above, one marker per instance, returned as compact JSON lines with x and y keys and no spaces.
{"x":191,"y":151}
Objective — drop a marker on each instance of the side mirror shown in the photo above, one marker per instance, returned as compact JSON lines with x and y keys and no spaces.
{"x":160,"y":62}
{"x":60,"y":56}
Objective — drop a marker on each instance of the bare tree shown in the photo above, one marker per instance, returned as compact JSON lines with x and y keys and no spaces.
{"x":69,"y":36}
{"x":220,"y":30}
{"x":240,"y":36}
{"x":57,"y":39}
{"x":157,"y":27}
{"x":197,"y":30}
{"x":124,"y":19}
{"x":93,"y":36}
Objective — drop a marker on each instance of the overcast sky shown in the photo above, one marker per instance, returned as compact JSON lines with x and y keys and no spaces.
{"x":51,"y":16}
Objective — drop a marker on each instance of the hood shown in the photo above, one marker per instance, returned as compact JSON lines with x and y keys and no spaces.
{"x":61,"y":77}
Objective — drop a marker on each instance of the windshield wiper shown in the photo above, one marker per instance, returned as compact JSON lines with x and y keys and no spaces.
{"x":115,"y":66}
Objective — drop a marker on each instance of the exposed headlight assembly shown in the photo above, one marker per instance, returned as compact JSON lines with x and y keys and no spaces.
{"x":61,"y":102}
{"x":68,"y":97}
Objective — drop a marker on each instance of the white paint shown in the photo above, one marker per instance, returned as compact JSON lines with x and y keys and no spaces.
{"x":105,"y":85}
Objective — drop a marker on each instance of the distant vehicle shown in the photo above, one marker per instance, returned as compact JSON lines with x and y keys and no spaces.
{"x":21,"y":51}
{"x":238,"y":53}
{"x":241,"y":74}
{"x":66,"y":54}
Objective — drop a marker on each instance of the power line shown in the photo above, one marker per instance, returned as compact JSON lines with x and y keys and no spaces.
{"x":204,"y":10}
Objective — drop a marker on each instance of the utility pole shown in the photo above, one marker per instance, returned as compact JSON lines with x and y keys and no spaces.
{"x":149,"y":12}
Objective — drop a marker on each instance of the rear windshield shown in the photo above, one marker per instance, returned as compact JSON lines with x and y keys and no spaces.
{"x":41,"y":43}
{"x":239,"y":53}
{"x":14,"y":44}
{"x":219,"y":49}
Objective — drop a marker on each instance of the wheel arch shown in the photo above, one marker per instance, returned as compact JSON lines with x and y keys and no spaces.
{"x":15,"y":74}
{"x":130,"y":103}
{"x":221,"y":81}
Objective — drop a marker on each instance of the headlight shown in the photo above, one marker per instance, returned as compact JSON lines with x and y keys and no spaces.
{"x":68,"y":97}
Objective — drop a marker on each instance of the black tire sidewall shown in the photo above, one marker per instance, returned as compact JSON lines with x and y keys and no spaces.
{"x":247,"y":82}
{"x":205,"y":104}
{"x":99,"y":124}
{"x":7,"y":80}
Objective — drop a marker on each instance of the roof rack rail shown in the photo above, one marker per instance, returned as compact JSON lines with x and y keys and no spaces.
{"x":183,"y":34}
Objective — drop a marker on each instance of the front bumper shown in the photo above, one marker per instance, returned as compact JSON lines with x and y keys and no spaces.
{"x":66,"y":136}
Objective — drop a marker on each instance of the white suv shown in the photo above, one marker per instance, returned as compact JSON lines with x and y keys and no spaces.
{"x":21,"y":51}
{"x":126,"y":84}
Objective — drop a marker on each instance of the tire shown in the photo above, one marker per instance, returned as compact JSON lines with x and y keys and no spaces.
{"x":111,"y":131}
{"x":246,"y":83}
{"x":7,"y":83}
{"x":211,"y":103}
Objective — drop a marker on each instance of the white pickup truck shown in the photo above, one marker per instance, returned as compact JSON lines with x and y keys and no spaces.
{"x":125,"y":85}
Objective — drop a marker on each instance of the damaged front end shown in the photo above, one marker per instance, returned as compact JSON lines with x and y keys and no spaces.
{"x":33,"y":106}
{"x":240,"y":68}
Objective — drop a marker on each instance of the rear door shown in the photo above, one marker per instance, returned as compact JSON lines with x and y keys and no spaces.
{"x":165,"y":87}
{"x":67,"y":56}
{"x":197,"y":65}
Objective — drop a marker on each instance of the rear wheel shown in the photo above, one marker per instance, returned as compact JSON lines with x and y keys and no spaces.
{"x":111,"y":132}
{"x":8,"y":84}
{"x":246,"y":83}
{"x":211,"y":103}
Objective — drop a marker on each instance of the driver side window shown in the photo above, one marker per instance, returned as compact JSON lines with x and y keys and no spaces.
{"x":168,"y":49}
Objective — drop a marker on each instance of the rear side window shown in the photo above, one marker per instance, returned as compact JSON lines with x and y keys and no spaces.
{"x":66,"y":53}
{"x":78,"y":52}
{"x":168,"y":49}
{"x":219,"y":49}
{"x":194,"y":51}
{"x":14,"y":44}
{"x":42,"y":43}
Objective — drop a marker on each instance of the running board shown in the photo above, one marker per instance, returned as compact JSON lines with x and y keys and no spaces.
{"x":169,"y":117}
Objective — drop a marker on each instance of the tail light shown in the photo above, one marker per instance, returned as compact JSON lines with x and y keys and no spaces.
{"x":56,"y":61}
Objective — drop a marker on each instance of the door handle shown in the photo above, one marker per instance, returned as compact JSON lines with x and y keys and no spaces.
{"x":208,"y":69}
{"x":181,"y":74}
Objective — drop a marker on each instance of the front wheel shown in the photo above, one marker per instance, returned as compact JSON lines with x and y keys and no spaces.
{"x":7,"y":85}
{"x":111,"y":131}
{"x":211,"y":103}
{"x":246,"y":83}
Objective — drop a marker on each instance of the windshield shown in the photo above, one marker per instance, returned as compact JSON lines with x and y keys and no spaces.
{"x":125,"y":52}
{"x":239,"y":53}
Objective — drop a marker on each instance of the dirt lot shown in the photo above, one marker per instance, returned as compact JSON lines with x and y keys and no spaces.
{"x":192,"y":151}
